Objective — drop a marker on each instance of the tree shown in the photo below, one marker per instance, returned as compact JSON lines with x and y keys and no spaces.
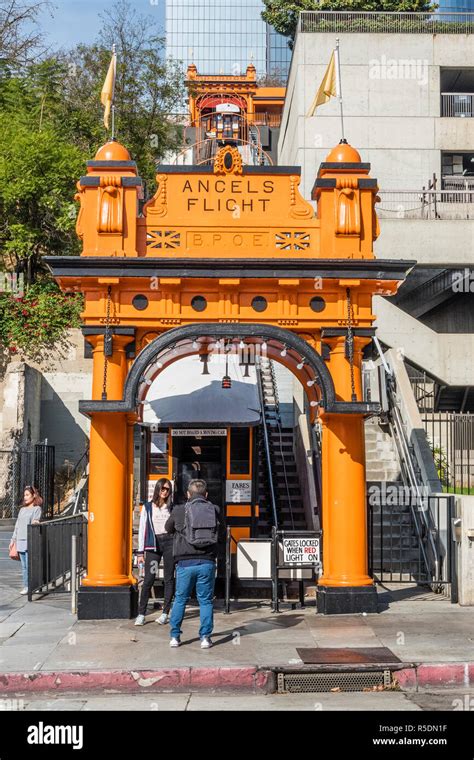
{"x":148,"y":89}
{"x":50,"y":125}
{"x":283,"y":14}
{"x":20,"y":36}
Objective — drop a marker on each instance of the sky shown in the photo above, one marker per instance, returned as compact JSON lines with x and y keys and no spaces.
{"x":73,"y":21}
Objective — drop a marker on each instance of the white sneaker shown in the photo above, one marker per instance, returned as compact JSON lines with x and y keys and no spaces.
{"x":175,"y":643}
{"x":206,"y":642}
{"x":24,"y":591}
{"x":163,"y":619}
{"x":140,"y":620}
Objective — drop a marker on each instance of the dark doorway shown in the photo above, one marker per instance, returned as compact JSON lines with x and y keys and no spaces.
{"x":201,"y":457}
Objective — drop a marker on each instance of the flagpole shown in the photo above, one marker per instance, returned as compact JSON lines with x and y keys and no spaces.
{"x":113,"y":92}
{"x":339,"y":88}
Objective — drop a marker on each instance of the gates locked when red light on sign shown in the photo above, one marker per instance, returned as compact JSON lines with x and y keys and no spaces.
{"x":301,"y":551}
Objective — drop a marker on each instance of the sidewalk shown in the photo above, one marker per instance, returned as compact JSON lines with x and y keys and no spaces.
{"x":44,"y":648}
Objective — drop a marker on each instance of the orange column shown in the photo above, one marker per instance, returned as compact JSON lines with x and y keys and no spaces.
{"x":109,"y":509}
{"x":345,"y":554}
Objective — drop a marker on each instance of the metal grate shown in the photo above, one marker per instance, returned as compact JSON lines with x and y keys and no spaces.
{"x":345,"y":681}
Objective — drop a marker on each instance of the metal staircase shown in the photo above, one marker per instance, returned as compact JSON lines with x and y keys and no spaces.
{"x":429,"y":294}
{"x":280,"y":497}
{"x":405,"y":506}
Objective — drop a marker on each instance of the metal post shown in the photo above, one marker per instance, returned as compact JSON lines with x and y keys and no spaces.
{"x":453,"y":552}
{"x":301,"y":590}
{"x":73,"y":574}
{"x":227,"y":572}
{"x":274,"y":570}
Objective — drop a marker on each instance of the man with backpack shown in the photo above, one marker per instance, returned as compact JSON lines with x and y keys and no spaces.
{"x":197,"y":527}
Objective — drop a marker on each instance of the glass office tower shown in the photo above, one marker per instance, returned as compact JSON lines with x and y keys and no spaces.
{"x":224,"y":37}
{"x":456,"y":6}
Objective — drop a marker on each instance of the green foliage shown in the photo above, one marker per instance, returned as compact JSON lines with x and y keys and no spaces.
{"x":283,"y":14}
{"x":51,"y":123}
{"x":148,"y":89}
{"x":37,"y":321}
{"x":38,"y":167}
{"x":441,"y":464}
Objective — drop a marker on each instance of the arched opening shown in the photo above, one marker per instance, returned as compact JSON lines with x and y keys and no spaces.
{"x":257,"y":340}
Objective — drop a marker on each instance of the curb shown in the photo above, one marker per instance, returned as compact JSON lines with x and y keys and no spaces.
{"x":246,"y":679}
{"x":250,"y":679}
{"x":443,"y":674}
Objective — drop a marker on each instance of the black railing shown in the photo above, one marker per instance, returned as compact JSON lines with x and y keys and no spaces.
{"x":450,"y":433}
{"x":451,"y":437}
{"x":277,"y":566}
{"x":44,"y":476}
{"x":50,"y":554}
{"x":397,"y":551}
{"x":16,"y":472}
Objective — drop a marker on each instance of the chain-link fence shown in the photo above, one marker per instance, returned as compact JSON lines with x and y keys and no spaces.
{"x":16,"y":472}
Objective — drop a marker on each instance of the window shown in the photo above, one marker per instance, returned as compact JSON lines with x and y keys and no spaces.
{"x":239,"y":451}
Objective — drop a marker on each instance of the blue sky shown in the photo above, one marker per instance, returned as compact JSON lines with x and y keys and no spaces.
{"x":76,"y":21}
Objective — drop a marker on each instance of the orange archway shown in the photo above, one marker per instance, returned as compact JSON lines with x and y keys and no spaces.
{"x":231,"y":251}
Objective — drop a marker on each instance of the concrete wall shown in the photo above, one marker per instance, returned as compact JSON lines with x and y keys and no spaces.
{"x":437,"y":242}
{"x":465,"y":551}
{"x":445,"y":356}
{"x":40,"y":400}
{"x":284,"y":382}
{"x":391,"y":91}
{"x":20,"y":397}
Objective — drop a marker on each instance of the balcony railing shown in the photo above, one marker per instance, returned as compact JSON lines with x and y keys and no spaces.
{"x":459,"y":182}
{"x":457,"y":104}
{"x":427,"y":204}
{"x":446,"y":22}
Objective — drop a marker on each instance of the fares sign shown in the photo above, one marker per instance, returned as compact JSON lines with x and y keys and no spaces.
{"x":238,"y":491}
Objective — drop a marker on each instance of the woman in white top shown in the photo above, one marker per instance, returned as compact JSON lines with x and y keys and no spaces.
{"x":30,"y":513}
{"x":155,"y":543}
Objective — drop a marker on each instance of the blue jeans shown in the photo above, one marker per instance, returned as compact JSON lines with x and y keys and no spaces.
{"x":203,"y":577}
{"x":24,"y":567}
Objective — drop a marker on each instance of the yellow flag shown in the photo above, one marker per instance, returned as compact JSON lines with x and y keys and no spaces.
{"x":107,"y":94}
{"x":328,"y":87}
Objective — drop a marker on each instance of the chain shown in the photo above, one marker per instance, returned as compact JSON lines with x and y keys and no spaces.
{"x":350,"y":341}
{"x":106,"y":342}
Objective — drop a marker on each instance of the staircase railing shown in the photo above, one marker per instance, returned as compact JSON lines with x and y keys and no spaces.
{"x":280,"y":439}
{"x":420,"y":509}
{"x":440,"y":284}
{"x":266,"y":443}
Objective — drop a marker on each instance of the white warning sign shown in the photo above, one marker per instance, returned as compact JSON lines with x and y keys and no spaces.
{"x":301,"y":551}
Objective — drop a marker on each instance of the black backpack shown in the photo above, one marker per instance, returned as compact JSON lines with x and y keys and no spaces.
{"x":200,"y":523}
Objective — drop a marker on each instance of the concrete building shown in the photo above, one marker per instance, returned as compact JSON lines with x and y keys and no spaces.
{"x":408,"y":107}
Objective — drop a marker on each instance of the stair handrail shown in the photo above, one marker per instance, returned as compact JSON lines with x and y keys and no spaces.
{"x":410,"y":478}
{"x":280,"y":434}
{"x":266,"y":441}
{"x":430,"y":288}
{"x":397,"y":428}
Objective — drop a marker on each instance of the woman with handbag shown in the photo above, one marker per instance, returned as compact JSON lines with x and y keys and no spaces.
{"x":153,"y":544}
{"x":30,"y":513}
